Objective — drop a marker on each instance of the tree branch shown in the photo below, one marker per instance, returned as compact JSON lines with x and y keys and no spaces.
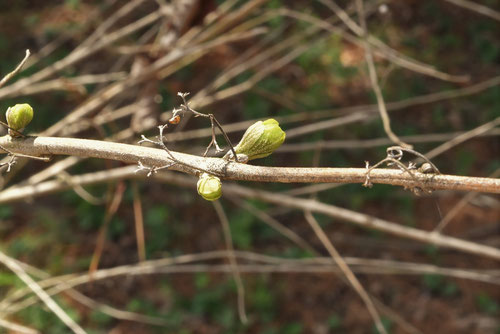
{"x":153,"y":157}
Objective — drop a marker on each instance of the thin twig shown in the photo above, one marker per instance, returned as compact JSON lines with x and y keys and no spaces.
{"x":475,"y":7}
{"x":139,"y":223}
{"x":114,"y":312}
{"x":459,"y":206}
{"x":260,"y":263}
{"x":345,"y":270}
{"x":401,"y":59}
{"x":232,"y":260}
{"x":101,"y":238}
{"x":7,"y":303}
{"x":375,"y":142}
{"x":75,"y":84}
{"x":9,"y":76}
{"x":274,"y":224}
{"x":16,"y":328}
{"x":380,"y":48}
{"x":12,"y":161}
{"x":463,"y":137}
{"x":374,"y":79}
{"x":21,"y":155}
{"x":18,"y":133}
{"x":399,"y":154}
{"x":351,"y":114}
{"x":79,"y":190}
{"x":213,"y":122}
{"x":47,"y":300}
{"x":79,"y":54}
{"x":100,"y":31}
{"x":174,"y":160}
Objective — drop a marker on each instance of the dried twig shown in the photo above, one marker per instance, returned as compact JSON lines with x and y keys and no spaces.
{"x":101,"y":238}
{"x":475,"y":7}
{"x":16,"y":328}
{"x":463,"y":137}
{"x":259,"y":263}
{"x":376,"y":142}
{"x":9,"y":305}
{"x":213,"y":122}
{"x":458,"y":207}
{"x":139,"y":223}
{"x":345,"y":270}
{"x":232,"y":260}
{"x":51,"y":304}
{"x":152,"y":169}
{"x":9,"y":76}
{"x":274,"y":224}
{"x":390,"y":53}
{"x":384,"y":115}
{"x":79,"y":190}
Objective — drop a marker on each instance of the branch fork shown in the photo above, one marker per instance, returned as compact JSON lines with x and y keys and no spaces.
{"x":177,"y":113}
{"x":393,"y":158}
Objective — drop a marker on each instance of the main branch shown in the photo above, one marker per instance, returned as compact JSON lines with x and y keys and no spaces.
{"x":153,"y":157}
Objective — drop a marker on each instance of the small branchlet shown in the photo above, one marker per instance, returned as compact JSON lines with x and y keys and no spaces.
{"x":213,"y":122}
{"x":9,"y":163}
{"x":160,"y":142}
{"x":151,"y":170}
{"x":19,"y":67}
{"x":393,"y":159}
{"x":175,"y":119}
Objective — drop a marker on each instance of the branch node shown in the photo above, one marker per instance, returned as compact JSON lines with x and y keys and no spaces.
{"x":9,"y":163}
{"x":394,"y":157}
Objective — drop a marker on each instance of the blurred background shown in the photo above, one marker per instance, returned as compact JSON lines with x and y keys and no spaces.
{"x":111,"y":70}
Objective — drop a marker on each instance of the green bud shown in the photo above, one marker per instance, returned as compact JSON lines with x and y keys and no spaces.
{"x":209,"y":187}
{"x":261,"y":139}
{"x":18,"y":117}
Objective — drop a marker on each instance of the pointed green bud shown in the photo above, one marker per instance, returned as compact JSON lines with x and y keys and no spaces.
{"x":209,"y":187}
{"x":18,"y":117}
{"x":261,"y":139}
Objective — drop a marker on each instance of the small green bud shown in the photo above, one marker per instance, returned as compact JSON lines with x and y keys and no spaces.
{"x":209,"y":187}
{"x":261,"y":139}
{"x":18,"y":117}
